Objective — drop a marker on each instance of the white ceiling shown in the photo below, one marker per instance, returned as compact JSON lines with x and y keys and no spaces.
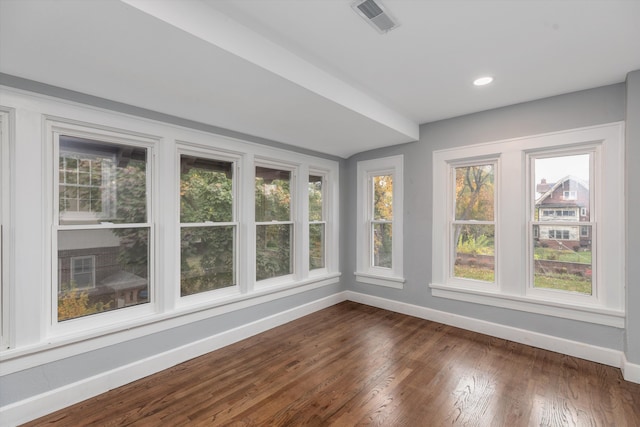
{"x":312,"y":73}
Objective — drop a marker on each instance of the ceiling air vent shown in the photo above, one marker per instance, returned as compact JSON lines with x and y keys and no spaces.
{"x":375,"y":14}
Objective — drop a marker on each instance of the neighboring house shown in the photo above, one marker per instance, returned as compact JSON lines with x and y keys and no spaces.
{"x":565,"y":201}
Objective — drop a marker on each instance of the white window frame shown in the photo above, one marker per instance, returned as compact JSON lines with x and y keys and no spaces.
{"x":185,"y":148}
{"x":513,"y":291}
{"x":296,"y":251}
{"x":451,"y":200}
{"x":6,"y":196}
{"x":566,"y":223}
{"x":366,"y":272}
{"x":54,"y":129}
{"x":326,"y":200}
{"x":570,"y":195}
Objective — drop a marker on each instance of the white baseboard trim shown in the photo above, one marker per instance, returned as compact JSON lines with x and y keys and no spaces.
{"x":630,"y":371}
{"x":51,"y":401}
{"x":581,"y":350}
{"x":45,"y":403}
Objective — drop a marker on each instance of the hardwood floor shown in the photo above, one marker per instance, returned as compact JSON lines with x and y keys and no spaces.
{"x":352,"y":364}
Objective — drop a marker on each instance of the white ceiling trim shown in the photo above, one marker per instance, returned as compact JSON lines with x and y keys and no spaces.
{"x":202,"y":21}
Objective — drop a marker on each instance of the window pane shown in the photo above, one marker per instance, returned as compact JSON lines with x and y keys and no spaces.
{"x":474,"y":252}
{"x":382,"y":245}
{"x":207,"y":257}
{"x":562,"y":253}
{"x":564,"y":264}
{"x":273,"y":197}
{"x":206,"y":190}
{"x":101,"y":182}
{"x":273,"y":250}
{"x":315,"y":198}
{"x":562,"y":188}
{"x":474,"y":192}
{"x":383,"y":197}
{"x":316,"y":246}
{"x":121,"y":269}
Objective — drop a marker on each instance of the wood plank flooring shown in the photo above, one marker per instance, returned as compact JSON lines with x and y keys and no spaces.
{"x":352,"y":364}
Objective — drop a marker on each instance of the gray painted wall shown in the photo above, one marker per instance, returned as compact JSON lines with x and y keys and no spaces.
{"x":580,"y":109}
{"x":632,"y":188}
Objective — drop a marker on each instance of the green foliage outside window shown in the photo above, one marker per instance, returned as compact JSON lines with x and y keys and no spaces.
{"x":207,"y":253}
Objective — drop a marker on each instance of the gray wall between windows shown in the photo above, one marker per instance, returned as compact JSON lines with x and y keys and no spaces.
{"x":574,"y":110}
{"x":632,"y":198}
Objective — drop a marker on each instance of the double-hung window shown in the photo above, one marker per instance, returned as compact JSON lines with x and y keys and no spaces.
{"x":317,"y":221}
{"x":209,"y":228}
{"x":473,"y":222}
{"x":533,"y":224}
{"x":274,"y":193}
{"x":562,"y":254}
{"x":102,"y":233}
{"x":379,"y":233}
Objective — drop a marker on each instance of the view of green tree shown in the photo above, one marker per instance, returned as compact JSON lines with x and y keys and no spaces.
{"x":273,"y":241}
{"x":207,"y":253}
{"x":382,"y":228}
{"x":474,"y":243}
{"x":316,"y":231}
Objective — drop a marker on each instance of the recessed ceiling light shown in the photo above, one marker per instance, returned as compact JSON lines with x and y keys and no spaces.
{"x":483,"y":81}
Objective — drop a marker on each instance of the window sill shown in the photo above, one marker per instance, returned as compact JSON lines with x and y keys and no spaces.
{"x":583,"y":313}
{"x":387,"y":281}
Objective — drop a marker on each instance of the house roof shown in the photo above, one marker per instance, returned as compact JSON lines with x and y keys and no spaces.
{"x":553,"y":188}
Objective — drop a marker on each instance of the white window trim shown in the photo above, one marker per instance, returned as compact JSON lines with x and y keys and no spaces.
{"x":607,"y":307}
{"x":6,"y":255}
{"x":326,"y":202}
{"x":459,"y":281}
{"x":186,"y":148}
{"x":365,"y":271}
{"x":297,"y":250}
{"x":54,"y":127}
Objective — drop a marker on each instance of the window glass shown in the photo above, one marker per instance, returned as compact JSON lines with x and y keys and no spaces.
{"x":382,"y":223}
{"x":383,"y":197}
{"x":274,"y":228}
{"x":474,"y":226}
{"x":273,"y":251}
{"x":273,"y":195}
{"x":562,"y":244}
{"x":101,"y":267}
{"x":317,"y":223}
{"x":101,"y":182}
{"x":207,"y":239}
{"x":115,"y":260}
